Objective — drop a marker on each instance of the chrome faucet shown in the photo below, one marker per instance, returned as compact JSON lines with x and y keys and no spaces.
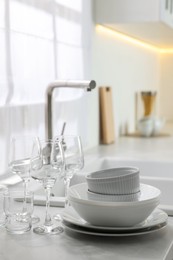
{"x":88,"y":85}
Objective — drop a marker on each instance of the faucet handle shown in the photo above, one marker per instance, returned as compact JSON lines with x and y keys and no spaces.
{"x":63,"y":128}
{"x":61,"y":134}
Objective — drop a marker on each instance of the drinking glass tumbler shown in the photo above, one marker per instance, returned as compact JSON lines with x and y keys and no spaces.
{"x":3,"y":189}
{"x":20,"y":158}
{"x":18,"y":207}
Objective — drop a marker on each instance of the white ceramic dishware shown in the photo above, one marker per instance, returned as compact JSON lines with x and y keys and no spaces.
{"x":114,"y":181}
{"x":113,"y":198}
{"x":114,"y":233}
{"x":103,"y":213}
{"x":145,"y":126}
{"x":156,"y":220}
{"x":157,"y":217}
{"x":150,"y":125}
{"x":158,"y":124}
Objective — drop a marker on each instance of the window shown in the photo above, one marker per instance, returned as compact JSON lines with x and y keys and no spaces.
{"x":40,"y":41}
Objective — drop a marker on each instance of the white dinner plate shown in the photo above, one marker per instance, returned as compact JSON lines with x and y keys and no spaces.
{"x":157,"y":217}
{"x":114,"y":233}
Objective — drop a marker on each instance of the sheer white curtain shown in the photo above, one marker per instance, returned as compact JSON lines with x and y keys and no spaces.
{"x":41,"y":40}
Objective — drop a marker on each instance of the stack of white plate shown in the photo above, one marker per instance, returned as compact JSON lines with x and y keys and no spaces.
{"x":113,"y":202}
{"x":73,"y":222}
{"x":108,"y":213}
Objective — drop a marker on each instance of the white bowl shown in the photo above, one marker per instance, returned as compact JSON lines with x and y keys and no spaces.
{"x":101,"y":213}
{"x":158,"y":124}
{"x":149,"y":125}
{"x":145,"y":126}
{"x":114,"y":181}
{"x":113,"y":198}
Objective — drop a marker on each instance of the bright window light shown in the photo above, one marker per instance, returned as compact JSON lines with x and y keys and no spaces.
{"x":69,"y":32}
{"x":34,"y":21}
{"x":72,"y":4}
{"x":2,"y":14}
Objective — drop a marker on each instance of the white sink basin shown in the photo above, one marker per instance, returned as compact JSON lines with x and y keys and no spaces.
{"x":158,"y":174}
{"x":155,"y":173}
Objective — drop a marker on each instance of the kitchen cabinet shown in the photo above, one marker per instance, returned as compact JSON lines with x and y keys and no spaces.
{"x":149,"y":21}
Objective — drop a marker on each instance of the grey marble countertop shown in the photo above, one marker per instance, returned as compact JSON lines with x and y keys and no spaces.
{"x":73,"y":246}
{"x":70,"y":245}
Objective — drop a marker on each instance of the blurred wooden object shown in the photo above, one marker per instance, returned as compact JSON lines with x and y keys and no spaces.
{"x":148,"y":98}
{"x":107,"y":133}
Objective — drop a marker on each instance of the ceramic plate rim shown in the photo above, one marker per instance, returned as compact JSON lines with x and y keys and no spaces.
{"x":72,"y":227}
{"x":109,"y":203}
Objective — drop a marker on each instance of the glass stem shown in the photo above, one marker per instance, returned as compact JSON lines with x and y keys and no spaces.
{"x":67,"y":184}
{"x":25,"y":185}
{"x":48,"y":220}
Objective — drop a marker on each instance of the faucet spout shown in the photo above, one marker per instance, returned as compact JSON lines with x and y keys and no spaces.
{"x":87,"y":85}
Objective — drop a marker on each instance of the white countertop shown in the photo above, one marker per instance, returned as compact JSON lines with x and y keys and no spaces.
{"x":73,"y":246}
{"x":70,"y":245}
{"x":153,"y":148}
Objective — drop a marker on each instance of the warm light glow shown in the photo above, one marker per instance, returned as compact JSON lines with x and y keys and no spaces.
{"x":131,"y":40}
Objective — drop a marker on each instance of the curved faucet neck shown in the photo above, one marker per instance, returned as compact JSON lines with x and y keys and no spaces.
{"x":88,"y":85}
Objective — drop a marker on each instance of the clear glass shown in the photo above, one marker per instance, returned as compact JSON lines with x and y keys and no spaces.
{"x":47,"y":165}
{"x":3,"y":189}
{"x":74,"y":161}
{"x":18,"y":207}
{"x":20,"y":159}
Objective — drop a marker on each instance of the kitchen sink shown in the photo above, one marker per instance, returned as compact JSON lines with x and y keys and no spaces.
{"x":155,"y":173}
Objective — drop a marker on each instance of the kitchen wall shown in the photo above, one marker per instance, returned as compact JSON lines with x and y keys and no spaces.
{"x":127,"y":68}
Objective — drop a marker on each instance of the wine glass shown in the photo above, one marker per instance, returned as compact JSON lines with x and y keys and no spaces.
{"x":74,"y":161}
{"x":19,"y":162}
{"x":47,"y":164}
